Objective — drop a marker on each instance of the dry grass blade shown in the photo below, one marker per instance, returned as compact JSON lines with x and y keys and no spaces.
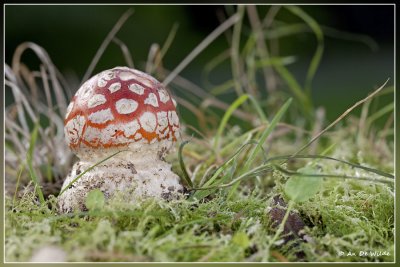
{"x":198,"y":49}
{"x":341,"y":117}
{"x":50,"y":107}
{"x":193,"y":108}
{"x":29,"y":78}
{"x":319,"y":120}
{"x":125,"y":52}
{"x":269,"y":77}
{"x":153,"y":56}
{"x":362,"y":38}
{"x":236,"y":63}
{"x":167,"y":44}
{"x":21,"y":102}
{"x":105,"y":43}
{"x":154,"y":63}
{"x":37,"y":94}
{"x":208,"y":99}
{"x":48,"y":64}
{"x":11,"y":135}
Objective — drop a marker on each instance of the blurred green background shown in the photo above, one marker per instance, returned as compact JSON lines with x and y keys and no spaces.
{"x":71,"y":34}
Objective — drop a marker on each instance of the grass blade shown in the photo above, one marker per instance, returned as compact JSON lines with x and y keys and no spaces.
{"x":268,"y":167}
{"x":226,"y":117}
{"x":29,"y":159}
{"x":362,"y":178}
{"x":316,"y":59}
{"x":17,"y":185}
{"x":210,"y":183}
{"x":294,"y":86}
{"x":267,"y":132}
{"x":386,"y":109}
{"x":182,"y":165}
{"x":89,"y":169}
{"x":259,"y":146}
{"x":334,"y":159}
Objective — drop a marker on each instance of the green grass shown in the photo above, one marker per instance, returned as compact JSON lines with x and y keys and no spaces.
{"x":334,"y":176}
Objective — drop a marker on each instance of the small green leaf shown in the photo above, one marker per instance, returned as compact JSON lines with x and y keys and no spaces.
{"x":300,"y":188}
{"x":241,"y":239}
{"x":95,"y":200}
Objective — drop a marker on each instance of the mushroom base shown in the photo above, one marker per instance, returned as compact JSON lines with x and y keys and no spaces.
{"x":140,"y":178}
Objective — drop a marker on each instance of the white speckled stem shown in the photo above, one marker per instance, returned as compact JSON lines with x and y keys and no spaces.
{"x":139,"y":175}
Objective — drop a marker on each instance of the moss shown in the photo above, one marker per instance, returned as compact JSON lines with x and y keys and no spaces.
{"x":346,"y":215}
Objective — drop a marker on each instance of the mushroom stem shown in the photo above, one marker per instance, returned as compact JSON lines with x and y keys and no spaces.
{"x":137,"y":175}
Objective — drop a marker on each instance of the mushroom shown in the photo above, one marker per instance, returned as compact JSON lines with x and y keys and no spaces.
{"x":121,"y":109}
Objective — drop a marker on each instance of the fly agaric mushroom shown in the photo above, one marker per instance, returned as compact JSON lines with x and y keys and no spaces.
{"x":120,"y":109}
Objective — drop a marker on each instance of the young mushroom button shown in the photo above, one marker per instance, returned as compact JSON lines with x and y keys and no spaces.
{"x":121,"y":109}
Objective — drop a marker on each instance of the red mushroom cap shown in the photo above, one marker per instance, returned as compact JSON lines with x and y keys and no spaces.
{"x":117,"y":108}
